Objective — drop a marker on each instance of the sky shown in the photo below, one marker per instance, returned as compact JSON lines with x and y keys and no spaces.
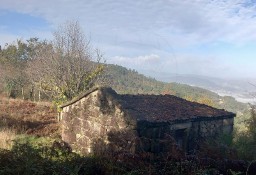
{"x":158,"y":38}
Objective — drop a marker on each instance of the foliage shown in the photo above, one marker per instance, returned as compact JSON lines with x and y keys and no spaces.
{"x":27,"y":158}
{"x":13,"y":59}
{"x":58,"y":69}
{"x":219,"y":148}
{"x":238,"y":145}
{"x":245,"y":141}
{"x":24,"y":158}
{"x":65,"y":67}
{"x":6,"y":137}
{"x":40,"y":155}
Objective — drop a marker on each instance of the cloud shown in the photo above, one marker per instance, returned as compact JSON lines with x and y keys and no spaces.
{"x":159,"y":67}
{"x":166,"y":35}
{"x":149,"y":59}
{"x":201,"y":20}
{"x":146,"y":60}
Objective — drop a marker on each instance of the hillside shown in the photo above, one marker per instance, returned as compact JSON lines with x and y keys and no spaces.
{"x":33,"y":154}
{"x":39,"y":118}
{"x":240,"y":88}
{"x":26,"y":117}
{"x":130,"y":81}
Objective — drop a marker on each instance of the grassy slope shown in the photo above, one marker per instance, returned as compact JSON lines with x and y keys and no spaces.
{"x":26,"y":117}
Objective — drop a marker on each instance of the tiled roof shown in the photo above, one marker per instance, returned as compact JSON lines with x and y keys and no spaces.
{"x":160,"y":108}
{"x":168,"y":108}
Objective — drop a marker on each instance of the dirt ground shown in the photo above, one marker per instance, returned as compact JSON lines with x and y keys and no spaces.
{"x":26,"y":117}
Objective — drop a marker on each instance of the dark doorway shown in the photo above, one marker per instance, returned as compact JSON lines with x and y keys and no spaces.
{"x":180,"y":138}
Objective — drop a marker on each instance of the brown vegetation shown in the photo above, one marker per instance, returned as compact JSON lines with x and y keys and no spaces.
{"x":26,"y":117}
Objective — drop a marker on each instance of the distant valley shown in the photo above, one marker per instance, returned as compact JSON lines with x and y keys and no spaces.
{"x":243,"y":90}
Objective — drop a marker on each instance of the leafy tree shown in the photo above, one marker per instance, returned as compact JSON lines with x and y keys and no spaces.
{"x":13,"y":59}
{"x":66,"y":66}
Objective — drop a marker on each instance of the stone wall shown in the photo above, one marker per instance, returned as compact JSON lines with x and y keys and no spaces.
{"x":201,"y":130}
{"x":212,"y":128}
{"x":94,"y":121}
{"x":163,"y":137}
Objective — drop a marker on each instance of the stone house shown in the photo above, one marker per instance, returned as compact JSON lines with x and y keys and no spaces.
{"x":101,"y":119}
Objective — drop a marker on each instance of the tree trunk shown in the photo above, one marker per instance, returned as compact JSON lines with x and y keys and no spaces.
{"x":22,"y":93}
{"x":39,"y":93}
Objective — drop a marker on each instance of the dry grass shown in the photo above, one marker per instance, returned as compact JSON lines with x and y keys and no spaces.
{"x":26,"y":117}
{"x":6,"y":138}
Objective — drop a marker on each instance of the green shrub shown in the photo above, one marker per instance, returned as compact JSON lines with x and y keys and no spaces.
{"x":26,"y":158}
{"x":245,"y":142}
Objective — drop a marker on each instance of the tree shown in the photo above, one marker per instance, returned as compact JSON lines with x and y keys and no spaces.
{"x":38,"y":51}
{"x":205,"y":100}
{"x":66,"y":66}
{"x":251,"y":124}
{"x":245,"y":141}
{"x":13,"y":59}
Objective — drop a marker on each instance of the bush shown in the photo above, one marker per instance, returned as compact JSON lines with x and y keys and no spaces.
{"x":31,"y":155}
{"x":26,"y":158}
{"x":245,"y":142}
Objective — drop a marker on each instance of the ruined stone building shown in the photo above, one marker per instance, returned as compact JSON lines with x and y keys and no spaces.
{"x":103,"y":119}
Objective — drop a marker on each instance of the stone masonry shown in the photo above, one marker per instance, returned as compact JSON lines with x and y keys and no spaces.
{"x":101,"y":120}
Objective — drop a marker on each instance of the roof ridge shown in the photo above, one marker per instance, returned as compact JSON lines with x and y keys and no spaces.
{"x":84,"y":94}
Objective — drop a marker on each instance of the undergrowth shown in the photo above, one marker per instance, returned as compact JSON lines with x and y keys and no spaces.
{"x":7,"y":136}
{"x":35,"y":156}
{"x":44,"y":156}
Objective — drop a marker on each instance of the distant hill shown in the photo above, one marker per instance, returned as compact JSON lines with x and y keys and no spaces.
{"x":242,"y":89}
{"x":130,"y":81}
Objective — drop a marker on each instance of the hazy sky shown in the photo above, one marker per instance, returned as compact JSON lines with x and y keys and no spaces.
{"x":157,"y":37}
